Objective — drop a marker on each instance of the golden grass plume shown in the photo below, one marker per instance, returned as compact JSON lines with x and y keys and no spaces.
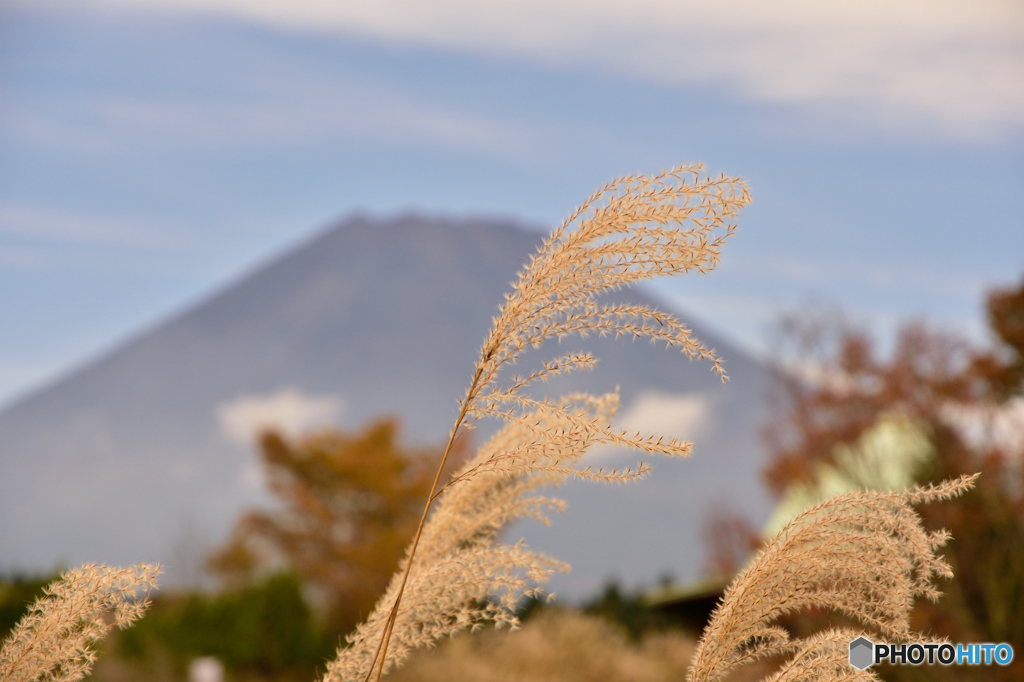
{"x":632,"y":229}
{"x":55,"y":639}
{"x":864,"y":554}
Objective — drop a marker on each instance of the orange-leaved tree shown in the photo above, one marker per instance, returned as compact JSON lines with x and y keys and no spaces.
{"x":349,"y":505}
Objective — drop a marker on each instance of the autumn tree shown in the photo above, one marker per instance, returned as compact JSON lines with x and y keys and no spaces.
{"x":964,"y":401}
{"x":349,"y":503}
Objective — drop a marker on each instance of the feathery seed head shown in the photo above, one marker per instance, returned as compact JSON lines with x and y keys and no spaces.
{"x":863,"y":553}
{"x":55,"y":639}
{"x":456,"y":573}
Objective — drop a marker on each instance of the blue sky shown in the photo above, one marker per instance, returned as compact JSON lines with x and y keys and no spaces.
{"x":153,"y":150}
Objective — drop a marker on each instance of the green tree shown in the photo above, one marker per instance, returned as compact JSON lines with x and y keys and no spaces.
{"x":265,"y":630}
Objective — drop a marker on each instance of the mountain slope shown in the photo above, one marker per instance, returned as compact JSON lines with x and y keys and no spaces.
{"x":370,"y":318}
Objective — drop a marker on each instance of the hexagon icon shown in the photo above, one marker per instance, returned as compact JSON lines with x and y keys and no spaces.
{"x":861,"y":653}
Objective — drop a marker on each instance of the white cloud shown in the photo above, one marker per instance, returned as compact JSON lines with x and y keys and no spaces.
{"x":288,"y":410}
{"x":683,"y":416}
{"x":944,"y":64}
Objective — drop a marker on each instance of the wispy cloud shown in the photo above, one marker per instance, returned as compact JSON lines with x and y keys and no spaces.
{"x":284,"y":107}
{"x":42,"y":224}
{"x":860,"y":274}
{"x":353,"y":111}
{"x":22,"y":258}
{"x":948,"y":66}
{"x":751,"y":291}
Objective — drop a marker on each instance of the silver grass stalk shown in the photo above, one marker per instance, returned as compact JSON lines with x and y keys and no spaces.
{"x":55,"y":639}
{"x":632,"y":229}
{"x":864,"y":554}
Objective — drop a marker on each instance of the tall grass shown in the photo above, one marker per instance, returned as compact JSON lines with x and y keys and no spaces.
{"x":863,"y":554}
{"x":56,"y":638}
{"x":457,"y":573}
{"x":632,"y":229}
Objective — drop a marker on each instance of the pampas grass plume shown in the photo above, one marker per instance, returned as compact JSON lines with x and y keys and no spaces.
{"x":56,"y":638}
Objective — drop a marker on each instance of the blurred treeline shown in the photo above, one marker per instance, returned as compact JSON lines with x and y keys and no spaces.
{"x":295,"y":579}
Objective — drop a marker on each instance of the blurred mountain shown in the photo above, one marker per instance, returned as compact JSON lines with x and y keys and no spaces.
{"x":147,"y":453}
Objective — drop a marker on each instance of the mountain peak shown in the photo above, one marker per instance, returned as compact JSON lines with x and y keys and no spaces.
{"x":371,"y":317}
